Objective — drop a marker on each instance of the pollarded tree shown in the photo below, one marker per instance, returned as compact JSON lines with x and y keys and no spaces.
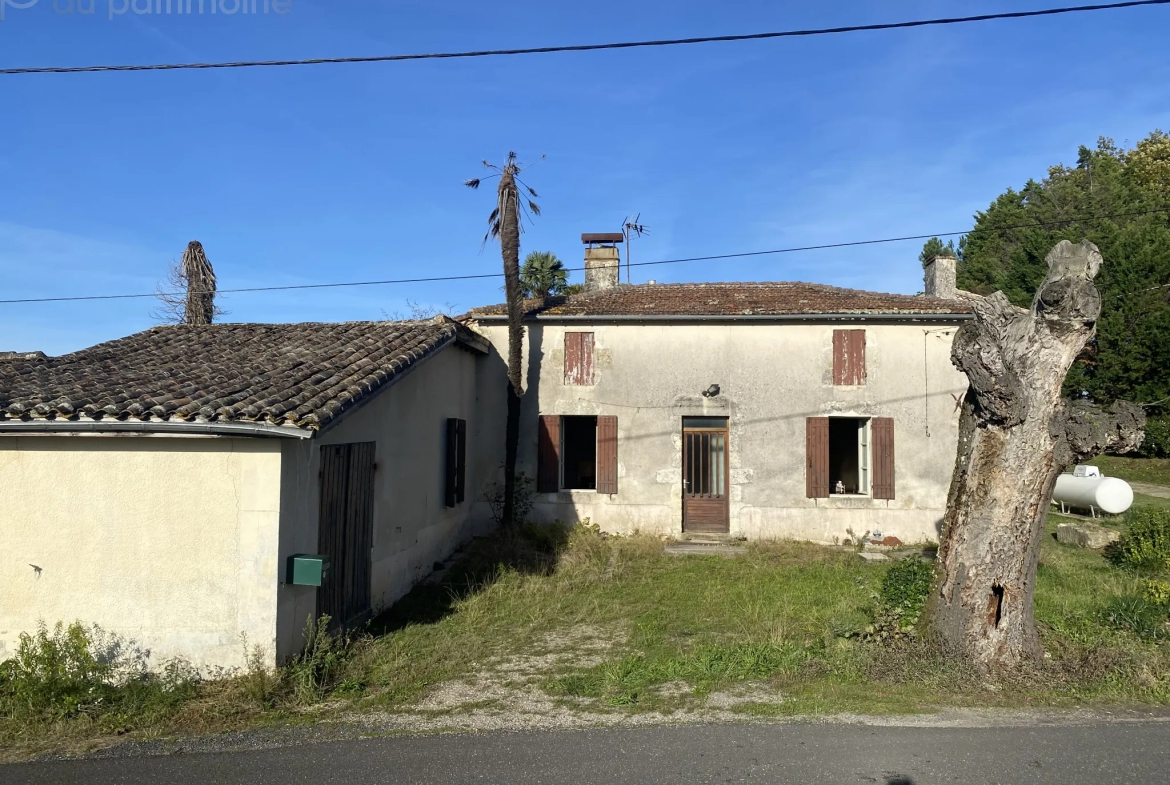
{"x":188,"y":296}
{"x":1016,"y":435}
{"x":504,"y":224}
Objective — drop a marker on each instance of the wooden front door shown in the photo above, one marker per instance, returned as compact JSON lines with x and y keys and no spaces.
{"x":705,"y":475}
{"x":346,"y":531}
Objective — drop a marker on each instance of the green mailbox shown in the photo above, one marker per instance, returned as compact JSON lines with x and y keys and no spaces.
{"x":306,"y":569}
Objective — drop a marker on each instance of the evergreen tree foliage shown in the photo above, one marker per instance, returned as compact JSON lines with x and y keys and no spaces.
{"x":935,"y":247}
{"x":1098,"y":198}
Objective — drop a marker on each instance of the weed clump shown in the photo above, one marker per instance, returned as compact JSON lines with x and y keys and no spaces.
{"x":901,"y":598}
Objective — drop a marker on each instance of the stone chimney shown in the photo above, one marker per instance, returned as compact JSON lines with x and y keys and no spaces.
{"x":940,"y":277}
{"x":603,"y":260}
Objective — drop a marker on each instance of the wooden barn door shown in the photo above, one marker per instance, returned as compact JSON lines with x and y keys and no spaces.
{"x":705,"y":475}
{"x":346,"y":531}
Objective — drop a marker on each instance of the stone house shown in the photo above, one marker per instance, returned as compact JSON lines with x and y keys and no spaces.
{"x":760,"y":410}
{"x":160,"y":485}
{"x":185,"y":486}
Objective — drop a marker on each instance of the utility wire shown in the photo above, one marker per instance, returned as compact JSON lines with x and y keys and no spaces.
{"x":585,"y":47}
{"x":436,"y":279}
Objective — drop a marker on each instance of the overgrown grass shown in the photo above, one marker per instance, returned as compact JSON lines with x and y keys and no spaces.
{"x":621,"y":627}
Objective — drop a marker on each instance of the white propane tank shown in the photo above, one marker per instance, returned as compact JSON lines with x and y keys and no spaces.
{"x":1108,"y":494}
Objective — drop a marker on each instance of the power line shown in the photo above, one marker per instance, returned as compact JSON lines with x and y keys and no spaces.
{"x":481,"y":276}
{"x":586,"y":47}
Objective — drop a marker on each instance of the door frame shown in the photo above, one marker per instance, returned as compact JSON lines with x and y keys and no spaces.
{"x":725,"y":431}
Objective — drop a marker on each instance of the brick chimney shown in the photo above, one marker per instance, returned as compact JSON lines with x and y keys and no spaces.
{"x":941,"y":277}
{"x":603,"y":260}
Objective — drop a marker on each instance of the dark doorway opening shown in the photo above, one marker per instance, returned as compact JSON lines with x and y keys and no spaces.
{"x":579,"y":453}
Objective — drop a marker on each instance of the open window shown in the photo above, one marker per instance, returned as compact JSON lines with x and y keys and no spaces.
{"x":577,"y":453}
{"x":849,"y":458}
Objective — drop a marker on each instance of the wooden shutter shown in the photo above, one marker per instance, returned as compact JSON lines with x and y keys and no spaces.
{"x":579,"y":358}
{"x":548,"y":470}
{"x":816,"y":449}
{"x":882,"y":429}
{"x":849,"y":357}
{"x":461,"y":462}
{"x":607,"y":452}
{"x":456,"y":464}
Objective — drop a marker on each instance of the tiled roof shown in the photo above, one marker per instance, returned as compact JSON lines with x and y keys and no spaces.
{"x":302,"y":375}
{"x":733,"y":299}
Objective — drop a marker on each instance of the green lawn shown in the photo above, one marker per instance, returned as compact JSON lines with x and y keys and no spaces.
{"x":590,"y":629}
{"x":1152,"y":470}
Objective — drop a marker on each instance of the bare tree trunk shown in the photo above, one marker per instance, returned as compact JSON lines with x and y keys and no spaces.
{"x":509,"y":206}
{"x":199,"y":308}
{"x":1016,"y":434}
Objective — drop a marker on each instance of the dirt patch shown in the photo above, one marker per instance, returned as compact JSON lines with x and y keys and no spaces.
{"x":506,"y":694}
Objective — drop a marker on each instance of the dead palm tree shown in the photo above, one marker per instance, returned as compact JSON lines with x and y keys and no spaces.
{"x":504,"y":224}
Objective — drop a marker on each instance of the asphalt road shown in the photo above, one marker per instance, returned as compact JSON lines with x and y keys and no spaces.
{"x":1117,"y":753}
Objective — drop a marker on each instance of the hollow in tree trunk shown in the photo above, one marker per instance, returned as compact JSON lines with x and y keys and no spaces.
{"x":1016,"y":435}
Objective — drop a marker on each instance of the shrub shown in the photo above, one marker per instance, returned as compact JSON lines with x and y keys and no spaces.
{"x":1156,"y":592}
{"x":78,"y":670}
{"x":1157,"y":441}
{"x":523,"y":497}
{"x":1145,"y":545}
{"x":54,"y":673}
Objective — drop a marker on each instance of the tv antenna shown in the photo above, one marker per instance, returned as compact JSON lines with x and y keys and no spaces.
{"x":632,"y":228}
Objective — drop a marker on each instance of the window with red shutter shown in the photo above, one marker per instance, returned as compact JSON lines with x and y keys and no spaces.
{"x":579,"y":359}
{"x":883,"y":457}
{"x":817,"y":457}
{"x":548,"y":469}
{"x":849,"y":357}
{"x":607,"y":455}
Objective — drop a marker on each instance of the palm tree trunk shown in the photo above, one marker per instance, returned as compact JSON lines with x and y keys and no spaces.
{"x":509,"y":205}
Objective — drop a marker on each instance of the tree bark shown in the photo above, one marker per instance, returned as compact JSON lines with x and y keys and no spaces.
{"x":199,"y":307}
{"x":509,"y":217}
{"x":1016,"y":435}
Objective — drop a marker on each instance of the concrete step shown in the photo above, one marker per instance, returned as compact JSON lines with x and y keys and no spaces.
{"x":693,"y":548}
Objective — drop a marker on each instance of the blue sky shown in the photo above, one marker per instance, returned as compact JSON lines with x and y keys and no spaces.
{"x":354,"y":172}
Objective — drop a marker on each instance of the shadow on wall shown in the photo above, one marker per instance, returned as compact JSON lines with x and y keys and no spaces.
{"x":531,"y":549}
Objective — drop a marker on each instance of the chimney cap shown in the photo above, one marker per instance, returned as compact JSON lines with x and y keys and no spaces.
{"x":602,"y":237}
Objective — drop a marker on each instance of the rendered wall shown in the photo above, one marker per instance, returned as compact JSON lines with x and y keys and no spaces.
{"x":412,"y":527}
{"x":169,"y":542}
{"x":772,"y":376}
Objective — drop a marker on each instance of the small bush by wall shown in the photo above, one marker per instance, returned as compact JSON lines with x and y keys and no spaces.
{"x":73,"y":670}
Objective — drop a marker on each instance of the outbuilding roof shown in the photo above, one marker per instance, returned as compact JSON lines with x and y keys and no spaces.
{"x":731,"y":300}
{"x":302,"y":376}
